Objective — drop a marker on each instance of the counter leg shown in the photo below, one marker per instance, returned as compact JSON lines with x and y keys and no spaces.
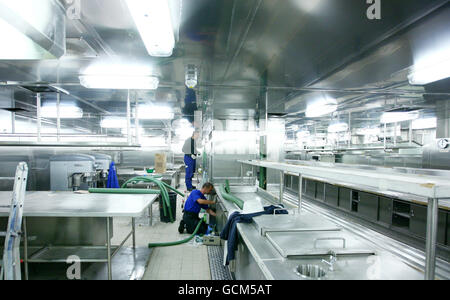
{"x":150,"y":214}
{"x":133,"y":225}
{"x":432,"y":226}
{"x":281,"y":187}
{"x":108,"y":248}
{"x":300,"y":193}
{"x":25,"y":247}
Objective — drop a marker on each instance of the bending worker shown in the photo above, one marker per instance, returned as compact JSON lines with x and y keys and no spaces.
{"x":190,"y":156}
{"x":194,"y":204}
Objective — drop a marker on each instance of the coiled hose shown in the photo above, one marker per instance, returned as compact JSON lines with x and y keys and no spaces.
{"x":163,"y":190}
{"x":169,"y":244}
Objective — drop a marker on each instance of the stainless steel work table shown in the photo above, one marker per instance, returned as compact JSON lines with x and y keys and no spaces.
{"x":74,"y":205}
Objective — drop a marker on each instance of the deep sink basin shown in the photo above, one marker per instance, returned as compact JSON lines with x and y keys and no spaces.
{"x":310,"y":271}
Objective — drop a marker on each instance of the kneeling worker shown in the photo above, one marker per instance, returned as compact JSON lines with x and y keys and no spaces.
{"x":194,"y":204}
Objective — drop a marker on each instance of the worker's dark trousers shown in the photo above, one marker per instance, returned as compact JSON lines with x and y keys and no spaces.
{"x":190,"y":170}
{"x":191,"y":220}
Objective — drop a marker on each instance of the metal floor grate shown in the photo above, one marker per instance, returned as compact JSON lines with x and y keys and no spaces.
{"x":218,"y":271}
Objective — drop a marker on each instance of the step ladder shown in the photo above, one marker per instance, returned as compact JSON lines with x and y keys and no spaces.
{"x":10,"y":265}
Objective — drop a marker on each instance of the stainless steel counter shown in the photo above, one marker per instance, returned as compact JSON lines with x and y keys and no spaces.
{"x":276,"y":251}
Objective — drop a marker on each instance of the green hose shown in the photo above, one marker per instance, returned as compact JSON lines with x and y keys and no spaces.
{"x":227,"y":186}
{"x":173,"y":189}
{"x":229,"y":197}
{"x":124,"y":191}
{"x":169,"y":244}
{"x":162,"y":187}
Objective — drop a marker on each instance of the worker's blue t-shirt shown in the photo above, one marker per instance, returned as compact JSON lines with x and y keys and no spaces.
{"x":192,"y":205}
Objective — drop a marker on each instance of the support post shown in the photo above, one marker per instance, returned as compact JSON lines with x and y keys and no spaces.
{"x":58,"y":117}
{"x":281,"y":186}
{"x":432,"y":227}
{"x":38,"y":117}
{"x":300,"y":193}
{"x":129,"y":119}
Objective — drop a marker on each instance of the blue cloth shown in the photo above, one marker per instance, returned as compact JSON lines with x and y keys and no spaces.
{"x":113,"y":181}
{"x":190,"y":170}
{"x":230,"y":233}
{"x":192,"y":205}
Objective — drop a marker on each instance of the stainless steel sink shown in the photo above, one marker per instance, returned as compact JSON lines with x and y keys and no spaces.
{"x":310,"y":271}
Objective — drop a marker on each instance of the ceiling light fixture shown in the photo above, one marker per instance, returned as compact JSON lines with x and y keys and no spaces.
{"x":397,"y":117}
{"x":154,"y":23}
{"x":321,"y":108}
{"x":151,"y":112}
{"x":338,"y":127}
{"x":65,"y":112}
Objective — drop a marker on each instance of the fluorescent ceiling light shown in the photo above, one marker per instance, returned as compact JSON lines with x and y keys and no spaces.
{"x":114,"y":123}
{"x":338,"y":127}
{"x":430,"y":74}
{"x":184,"y":132}
{"x":65,"y":112}
{"x":397,"y":117}
{"x":321,"y":108}
{"x":154,"y":23}
{"x":368,"y":131}
{"x":427,"y":123}
{"x":119,"y":82}
{"x":151,"y":112}
{"x":303,"y":134}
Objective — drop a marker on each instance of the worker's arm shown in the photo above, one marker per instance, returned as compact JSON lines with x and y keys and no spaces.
{"x":211,"y":212}
{"x":205,"y":202}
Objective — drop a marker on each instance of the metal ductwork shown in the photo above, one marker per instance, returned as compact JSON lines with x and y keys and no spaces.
{"x":32,"y":29}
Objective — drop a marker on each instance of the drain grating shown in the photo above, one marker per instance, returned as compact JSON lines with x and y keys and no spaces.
{"x":218,"y":270}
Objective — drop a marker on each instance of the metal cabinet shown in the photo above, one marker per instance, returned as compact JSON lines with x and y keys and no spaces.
{"x":368,"y":206}
{"x":320,"y":191}
{"x":345,"y":198}
{"x":385,"y":210}
{"x":331,"y":195}
{"x":418,"y":222}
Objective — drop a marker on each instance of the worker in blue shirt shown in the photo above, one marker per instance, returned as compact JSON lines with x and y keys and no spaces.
{"x":194,"y":204}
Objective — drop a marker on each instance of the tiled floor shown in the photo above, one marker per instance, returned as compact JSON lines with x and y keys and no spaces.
{"x":183,"y":262}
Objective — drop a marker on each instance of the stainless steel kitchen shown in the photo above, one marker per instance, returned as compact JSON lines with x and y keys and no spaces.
{"x":225,"y":141}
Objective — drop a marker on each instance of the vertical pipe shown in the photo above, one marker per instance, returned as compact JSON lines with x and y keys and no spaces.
{"x":432,"y":226}
{"x":281,"y":186}
{"x":300,"y":193}
{"x":385,"y":129}
{"x":38,"y":117}
{"x":136,"y":119}
{"x":129,"y":119}
{"x":242,"y":173}
{"x":58,"y":117}
{"x":108,"y":248}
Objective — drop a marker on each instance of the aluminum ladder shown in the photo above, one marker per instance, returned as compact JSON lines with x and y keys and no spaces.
{"x":10,"y":266}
